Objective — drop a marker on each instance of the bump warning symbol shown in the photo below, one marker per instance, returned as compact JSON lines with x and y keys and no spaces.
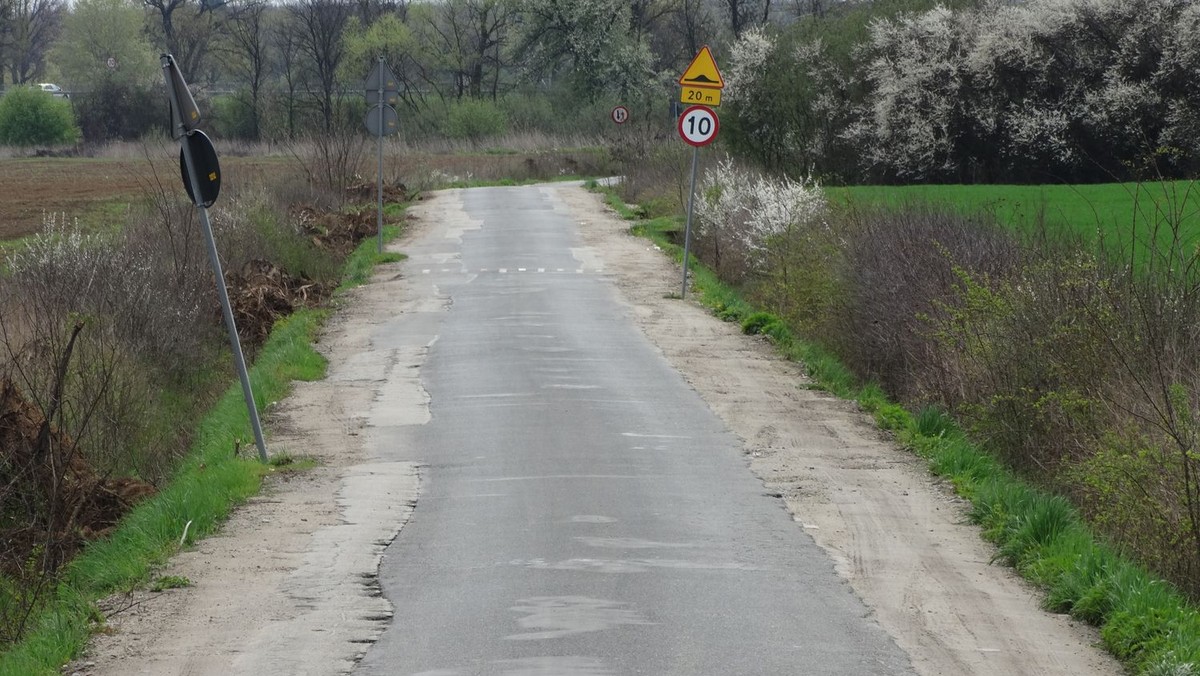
{"x":702,"y":72}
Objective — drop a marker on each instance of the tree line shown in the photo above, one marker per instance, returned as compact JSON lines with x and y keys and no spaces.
{"x":283,"y":68}
{"x":967,"y":92}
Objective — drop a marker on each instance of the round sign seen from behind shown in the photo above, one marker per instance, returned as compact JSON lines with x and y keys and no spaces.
{"x":698,"y":126}
{"x":382,"y":120}
{"x":208,"y":168}
{"x":620,"y":115}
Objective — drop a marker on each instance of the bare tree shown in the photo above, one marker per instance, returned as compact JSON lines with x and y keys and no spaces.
{"x":473,"y":32}
{"x":646,"y":14}
{"x":285,"y":40}
{"x":370,"y":10}
{"x":30,"y":27}
{"x":810,"y":8}
{"x":188,"y":27}
{"x":320,"y":24}
{"x":6,"y":12}
{"x":746,"y":13}
{"x":244,"y":51}
{"x":691,"y":22}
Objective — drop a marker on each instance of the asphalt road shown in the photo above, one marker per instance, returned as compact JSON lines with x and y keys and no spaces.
{"x":582,"y":511}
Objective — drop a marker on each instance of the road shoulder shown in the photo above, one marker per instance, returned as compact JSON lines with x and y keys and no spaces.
{"x":899,"y":537}
{"x":288,"y":585}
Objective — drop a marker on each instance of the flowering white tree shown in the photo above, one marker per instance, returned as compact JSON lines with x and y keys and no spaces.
{"x":589,"y":39}
{"x":747,"y":215}
{"x":748,"y":58}
{"x":1074,"y":89}
{"x":914,"y":115}
{"x":1177,"y":75}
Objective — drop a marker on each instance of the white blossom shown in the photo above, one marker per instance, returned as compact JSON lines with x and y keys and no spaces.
{"x":747,"y":58}
{"x":735,"y":204}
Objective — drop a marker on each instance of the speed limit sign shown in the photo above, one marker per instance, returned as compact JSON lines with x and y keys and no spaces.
{"x":698,"y":126}
{"x":620,"y":114}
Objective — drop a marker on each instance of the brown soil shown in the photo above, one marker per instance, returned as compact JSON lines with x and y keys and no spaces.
{"x":261,"y":294}
{"x":368,"y":192}
{"x":338,"y":232}
{"x":78,"y":186}
{"x":50,"y":497}
{"x":82,"y":186}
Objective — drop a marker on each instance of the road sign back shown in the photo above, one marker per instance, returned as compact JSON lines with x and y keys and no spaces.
{"x":382,"y":121}
{"x":702,"y":72}
{"x":389,"y":96}
{"x":390,"y":83}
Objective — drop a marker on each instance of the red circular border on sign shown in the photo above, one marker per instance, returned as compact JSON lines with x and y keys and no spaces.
{"x":614,"y":112}
{"x":716,"y":126}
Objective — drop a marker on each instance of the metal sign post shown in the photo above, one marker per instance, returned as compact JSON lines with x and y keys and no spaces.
{"x":382,"y":94}
{"x":184,"y":118}
{"x":701,"y":83}
{"x":697,"y":127}
{"x":687,"y":230}
{"x":379,"y":214}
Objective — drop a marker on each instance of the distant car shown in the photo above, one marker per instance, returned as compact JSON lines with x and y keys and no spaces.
{"x":54,"y":90}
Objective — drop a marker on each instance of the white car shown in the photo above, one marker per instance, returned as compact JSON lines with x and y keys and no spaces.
{"x":54,"y":90}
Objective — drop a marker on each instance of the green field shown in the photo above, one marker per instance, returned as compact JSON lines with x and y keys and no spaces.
{"x":1115,"y":211}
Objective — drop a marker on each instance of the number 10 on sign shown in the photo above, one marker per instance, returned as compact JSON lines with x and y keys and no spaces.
{"x":697,"y":127}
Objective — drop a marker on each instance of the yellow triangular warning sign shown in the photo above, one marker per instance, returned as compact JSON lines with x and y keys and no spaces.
{"x":703,"y":71}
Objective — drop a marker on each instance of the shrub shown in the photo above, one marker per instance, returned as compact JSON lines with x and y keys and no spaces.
{"x":758,"y":322}
{"x":747,"y":224}
{"x":331,"y":159}
{"x":1074,"y":364}
{"x":114,"y":110}
{"x":656,"y":174}
{"x":894,"y":272}
{"x":474,"y":120}
{"x":31,"y":117}
{"x":233,"y":117}
{"x":529,"y":112}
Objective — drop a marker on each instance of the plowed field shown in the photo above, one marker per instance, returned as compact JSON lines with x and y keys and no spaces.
{"x":74,"y":186}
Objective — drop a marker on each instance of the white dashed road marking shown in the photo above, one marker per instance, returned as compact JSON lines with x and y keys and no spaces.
{"x":504,"y":271}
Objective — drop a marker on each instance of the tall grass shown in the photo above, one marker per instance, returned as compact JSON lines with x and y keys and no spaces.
{"x":212,"y":477}
{"x":212,"y":481}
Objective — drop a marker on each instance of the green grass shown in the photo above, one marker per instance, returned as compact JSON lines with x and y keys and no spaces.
{"x":1115,"y":211}
{"x":362,"y":261}
{"x":509,"y":182}
{"x":211,"y":482}
{"x":202,"y":494}
{"x":627,"y":212}
{"x":1143,"y":621}
{"x":166,"y":582}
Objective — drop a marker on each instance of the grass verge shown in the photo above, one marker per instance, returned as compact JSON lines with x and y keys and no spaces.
{"x":508,"y":182}
{"x":1109,"y":211}
{"x":363,"y":260}
{"x":214,"y":480}
{"x":1143,"y":620}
